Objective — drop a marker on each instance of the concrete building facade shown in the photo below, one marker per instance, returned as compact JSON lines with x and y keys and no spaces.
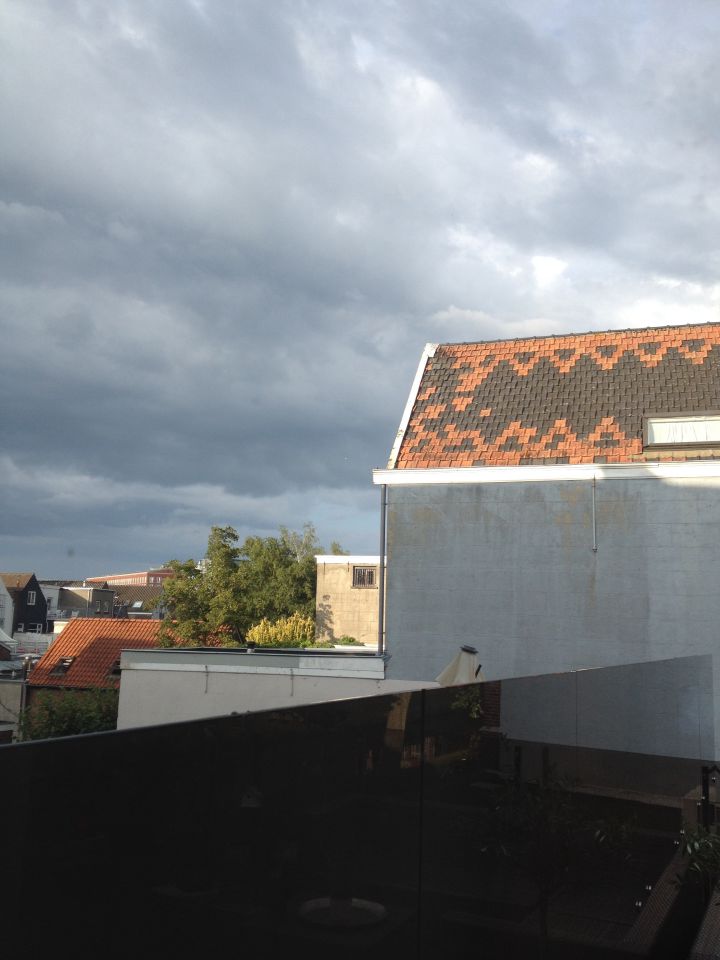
{"x":140,"y":578}
{"x":169,"y":685}
{"x":347,"y":598}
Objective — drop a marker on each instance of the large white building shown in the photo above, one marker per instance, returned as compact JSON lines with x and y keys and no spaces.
{"x":555,"y":502}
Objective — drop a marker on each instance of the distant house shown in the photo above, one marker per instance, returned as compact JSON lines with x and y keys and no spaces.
{"x":29,"y":609}
{"x":6,"y":612}
{"x":141,"y":578}
{"x":555,"y":501}
{"x":72,"y":600}
{"x":347,"y":598}
{"x":86,"y":655}
{"x":138,"y":601}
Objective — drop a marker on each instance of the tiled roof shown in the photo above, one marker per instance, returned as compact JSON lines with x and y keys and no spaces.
{"x":15,"y":581}
{"x":60,"y":583}
{"x":578,"y":398}
{"x":95,"y":645}
{"x":130,"y":594}
{"x":163,"y":572}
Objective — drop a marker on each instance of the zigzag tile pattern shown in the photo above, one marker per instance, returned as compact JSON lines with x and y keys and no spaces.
{"x":568,"y":399}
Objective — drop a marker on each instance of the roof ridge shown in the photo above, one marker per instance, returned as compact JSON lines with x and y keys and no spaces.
{"x":585,"y":333}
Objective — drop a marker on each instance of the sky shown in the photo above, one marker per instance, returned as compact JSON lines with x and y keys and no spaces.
{"x":228,"y":228}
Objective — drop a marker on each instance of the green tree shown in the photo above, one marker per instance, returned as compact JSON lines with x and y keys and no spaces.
{"x":66,"y":713}
{"x":238,"y":586}
{"x":702,"y":849}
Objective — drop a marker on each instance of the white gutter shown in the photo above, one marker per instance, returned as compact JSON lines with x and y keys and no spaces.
{"x":427,"y":353}
{"x":686,"y":469}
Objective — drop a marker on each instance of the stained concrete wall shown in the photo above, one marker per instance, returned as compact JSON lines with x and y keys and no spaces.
{"x":510,"y":568}
{"x":344,"y":610}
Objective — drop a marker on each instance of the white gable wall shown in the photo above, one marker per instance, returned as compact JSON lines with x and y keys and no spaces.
{"x":6,"y":610}
{"x":510,"y":568}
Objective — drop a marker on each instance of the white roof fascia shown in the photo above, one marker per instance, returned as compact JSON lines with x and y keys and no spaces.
{"x":689,"y":469}
{"x":350,"y":558}
{"x":427,"y":353}
{"x":367,"y":674}
{"x":300,"y":664}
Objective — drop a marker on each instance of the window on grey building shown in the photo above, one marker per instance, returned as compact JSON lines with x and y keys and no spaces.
{"x":31,"y":598}
{"x":363,"y":577}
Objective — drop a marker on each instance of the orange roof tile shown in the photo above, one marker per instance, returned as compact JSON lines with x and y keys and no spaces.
{"x":95,"y":645}
{"x":576,"y":398}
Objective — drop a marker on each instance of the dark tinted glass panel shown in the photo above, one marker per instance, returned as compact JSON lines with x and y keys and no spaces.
{"x":540,"y":848}
{"x":522,"y":818}
{"x":260,"y":834}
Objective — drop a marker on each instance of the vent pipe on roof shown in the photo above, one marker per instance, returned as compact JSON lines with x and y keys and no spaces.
{"x":463,"y":668}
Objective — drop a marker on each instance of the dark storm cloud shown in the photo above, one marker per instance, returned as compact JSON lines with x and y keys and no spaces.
{"x":226,"y":231}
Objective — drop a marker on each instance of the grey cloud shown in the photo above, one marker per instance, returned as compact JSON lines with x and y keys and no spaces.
{"x":226,"y":230}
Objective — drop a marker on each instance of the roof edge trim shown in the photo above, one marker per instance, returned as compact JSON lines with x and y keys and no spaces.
{"x":427,"y":353}
{"x":540,"y":473}
{"x":361,"y":558}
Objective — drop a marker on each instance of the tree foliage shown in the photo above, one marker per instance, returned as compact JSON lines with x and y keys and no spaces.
{"x":238,"y":586}
{"x":702,"y":849}
{"x":66,"y":713}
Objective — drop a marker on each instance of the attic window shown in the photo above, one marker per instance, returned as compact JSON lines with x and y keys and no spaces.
{"x":62,"y":666}
{"x":685,"y":430}
{"x":137,"y":605}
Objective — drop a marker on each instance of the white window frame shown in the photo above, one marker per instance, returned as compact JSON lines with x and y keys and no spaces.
{"x":31,"y":597}
{"x":683,"y":430}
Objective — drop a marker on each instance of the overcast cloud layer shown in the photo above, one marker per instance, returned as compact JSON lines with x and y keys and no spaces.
{"x":227,"y":230}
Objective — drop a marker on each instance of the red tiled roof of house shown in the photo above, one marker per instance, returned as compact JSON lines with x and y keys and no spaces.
{"x":576,"y":398}
{"x":95,"y":645}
